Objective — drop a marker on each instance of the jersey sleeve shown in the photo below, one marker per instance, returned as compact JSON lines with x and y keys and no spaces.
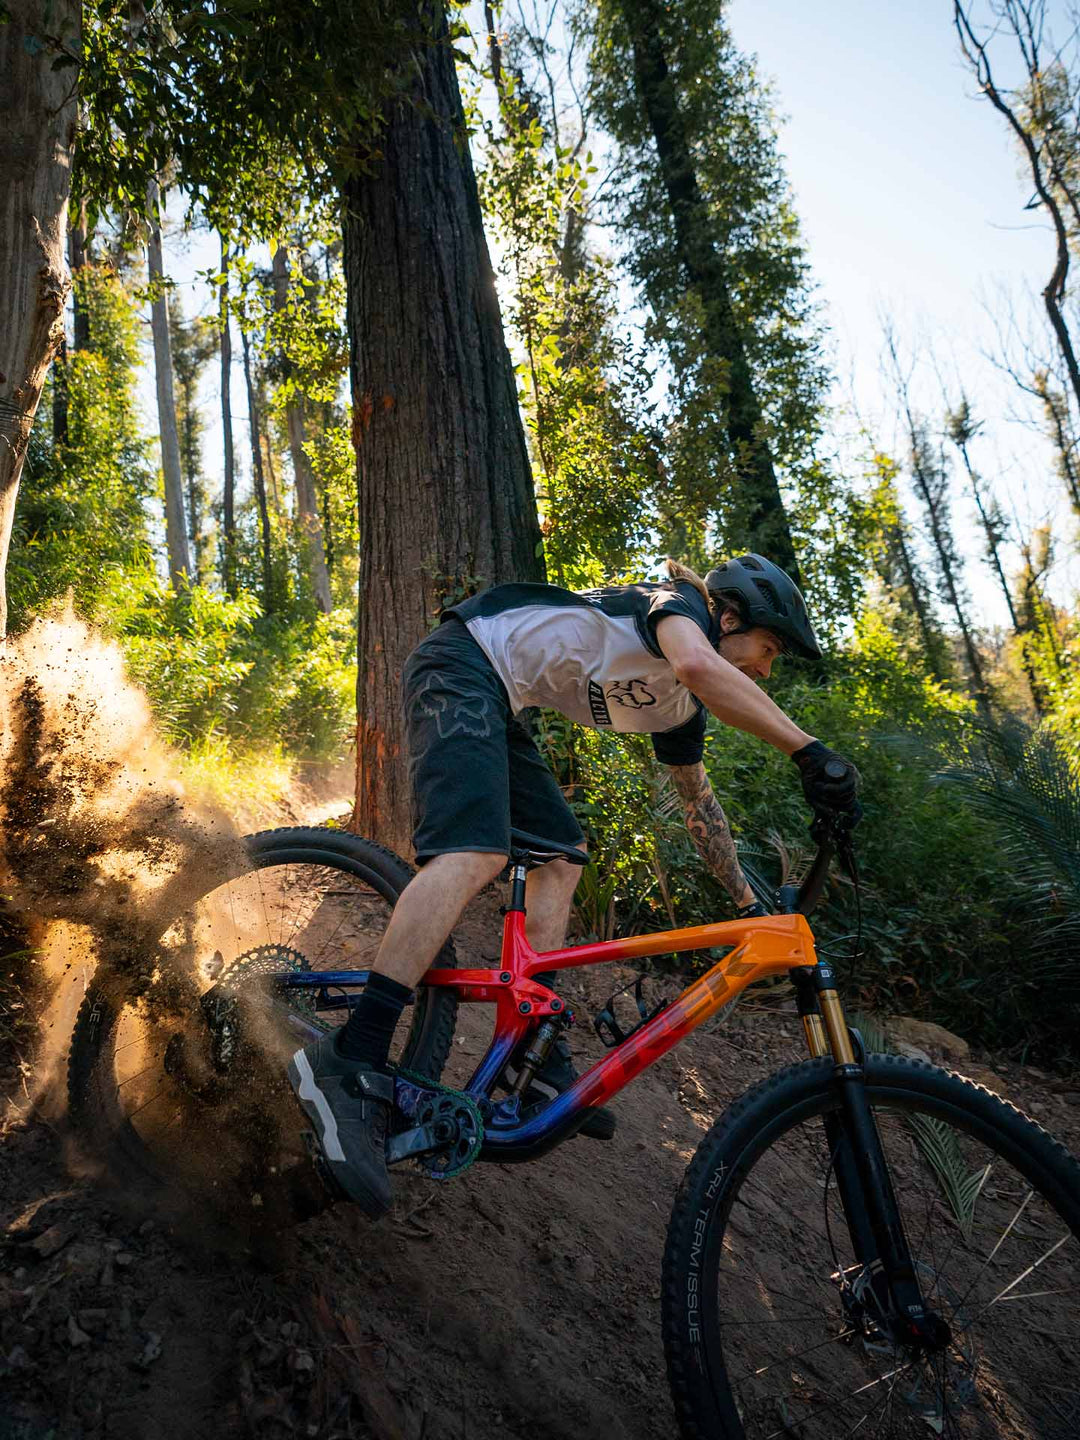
{"x":685,"y":745}
{"x":680,"y":599}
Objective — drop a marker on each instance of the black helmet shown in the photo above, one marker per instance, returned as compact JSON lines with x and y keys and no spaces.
{"x":769,"y":598}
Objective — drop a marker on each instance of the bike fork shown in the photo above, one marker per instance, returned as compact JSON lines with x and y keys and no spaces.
{"x":862,"y":1174}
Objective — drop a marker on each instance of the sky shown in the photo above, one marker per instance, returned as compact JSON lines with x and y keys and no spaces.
{"x":911,"y":200}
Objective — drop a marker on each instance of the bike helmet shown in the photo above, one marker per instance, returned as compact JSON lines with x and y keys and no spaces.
{"x":769,"y":598}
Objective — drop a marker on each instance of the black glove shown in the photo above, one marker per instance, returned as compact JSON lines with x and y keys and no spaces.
{"x":829,"y":781}
{"x":751,"y":912}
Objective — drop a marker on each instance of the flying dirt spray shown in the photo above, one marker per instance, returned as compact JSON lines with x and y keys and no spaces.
{"x":96,"y":829}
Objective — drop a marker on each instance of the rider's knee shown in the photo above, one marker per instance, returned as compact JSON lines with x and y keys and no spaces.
{"x":471,"y":869}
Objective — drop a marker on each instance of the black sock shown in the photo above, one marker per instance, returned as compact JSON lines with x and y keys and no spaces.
{"x":370,"y":1027}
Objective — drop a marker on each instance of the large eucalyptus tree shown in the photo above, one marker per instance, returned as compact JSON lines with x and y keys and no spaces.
{"x":38,"y":115}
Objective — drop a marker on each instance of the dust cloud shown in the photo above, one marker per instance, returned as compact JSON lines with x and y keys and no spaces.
{"x":98,"y":836}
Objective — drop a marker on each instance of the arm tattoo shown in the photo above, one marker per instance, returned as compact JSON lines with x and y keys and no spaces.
{"x":709,"y":828}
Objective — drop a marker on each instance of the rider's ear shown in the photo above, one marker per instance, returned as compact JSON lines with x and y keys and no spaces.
{"x":730,"y":620}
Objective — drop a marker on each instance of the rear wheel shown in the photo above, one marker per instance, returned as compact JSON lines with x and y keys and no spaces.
{"x":770,"y":1326}
{"x":166,"y":1086}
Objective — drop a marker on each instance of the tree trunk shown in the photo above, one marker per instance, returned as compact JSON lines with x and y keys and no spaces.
{"x":258,"y":480}
{"x":703,"y":264}
{"x":60,"y":394}
{"x":77,"y":258}
{"x":81,"y":329}
{"x":942,"y":541}
{"x":993,"y":549}
{"x":176,"y":541}
{"x":307,"y":502}
{"x":228,"y":554}
{"x":446,"y":502}
{"x":918,"y":599}
{"x":37,"y":133}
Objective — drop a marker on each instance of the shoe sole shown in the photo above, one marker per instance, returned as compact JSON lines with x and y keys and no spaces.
{"x":314,"y":1105}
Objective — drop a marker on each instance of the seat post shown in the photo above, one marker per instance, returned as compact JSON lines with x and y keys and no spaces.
{"x":518,"y":871}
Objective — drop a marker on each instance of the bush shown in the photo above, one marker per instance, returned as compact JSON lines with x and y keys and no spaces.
{"x":216,"y":668}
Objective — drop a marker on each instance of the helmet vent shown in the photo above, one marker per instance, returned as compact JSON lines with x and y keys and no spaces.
{"x":772,"y":599}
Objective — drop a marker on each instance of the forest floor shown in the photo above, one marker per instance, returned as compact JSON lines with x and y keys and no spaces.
{"x":512,"y":1302}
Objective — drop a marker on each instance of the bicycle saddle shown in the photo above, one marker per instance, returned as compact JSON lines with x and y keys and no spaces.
{"x":532,"y":850}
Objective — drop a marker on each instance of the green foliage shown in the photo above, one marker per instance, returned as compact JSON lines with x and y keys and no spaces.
{"x":216,"y":669}
{"x":583,"y":389}
{"x":727,"y":116}
{"x":333,"y":464}
{"x":248,"y":104}
{"x":81,"y":513}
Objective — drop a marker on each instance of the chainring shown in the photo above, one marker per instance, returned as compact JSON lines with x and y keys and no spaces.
{"x":450,"y":1106}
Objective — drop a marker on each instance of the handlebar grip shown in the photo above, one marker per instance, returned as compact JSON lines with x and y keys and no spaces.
{"x":836,"y":769}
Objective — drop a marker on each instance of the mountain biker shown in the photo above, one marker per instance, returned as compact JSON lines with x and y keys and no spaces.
{"x":650,"y":657}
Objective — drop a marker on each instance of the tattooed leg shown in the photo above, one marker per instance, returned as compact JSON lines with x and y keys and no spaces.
{"x":709,"y":830}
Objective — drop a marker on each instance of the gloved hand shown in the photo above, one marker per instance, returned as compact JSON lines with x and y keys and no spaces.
{"x":829,"y":781}
{"x":751,"y":912}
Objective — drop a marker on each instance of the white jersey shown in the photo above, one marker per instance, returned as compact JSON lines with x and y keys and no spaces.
{"x":593,"y":656}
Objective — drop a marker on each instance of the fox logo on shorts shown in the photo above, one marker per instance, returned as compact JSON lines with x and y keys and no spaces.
{"x":453,"y":711}
{"x":631,"y":693}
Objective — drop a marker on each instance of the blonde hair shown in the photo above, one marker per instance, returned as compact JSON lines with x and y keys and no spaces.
{"x":718,"y":604}
{"x":678,"y":571}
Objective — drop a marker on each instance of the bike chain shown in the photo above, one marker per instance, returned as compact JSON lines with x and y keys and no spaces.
{"x":431,"y":1164}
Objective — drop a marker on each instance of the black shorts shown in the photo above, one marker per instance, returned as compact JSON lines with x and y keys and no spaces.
{"x":473,"y":768}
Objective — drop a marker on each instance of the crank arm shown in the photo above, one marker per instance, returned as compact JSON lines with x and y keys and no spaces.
{"x":423,"y":1140}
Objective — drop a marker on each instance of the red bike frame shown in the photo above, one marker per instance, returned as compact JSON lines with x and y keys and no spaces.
{"x":762,"y":945}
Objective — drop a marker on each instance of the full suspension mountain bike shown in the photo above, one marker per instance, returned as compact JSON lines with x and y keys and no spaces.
{"x":862,"y":1244}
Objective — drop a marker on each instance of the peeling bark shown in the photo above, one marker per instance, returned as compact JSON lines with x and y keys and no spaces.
{"x":37,"y":136}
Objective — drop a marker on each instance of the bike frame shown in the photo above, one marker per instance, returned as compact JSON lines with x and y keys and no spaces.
{"x":758,"y":947}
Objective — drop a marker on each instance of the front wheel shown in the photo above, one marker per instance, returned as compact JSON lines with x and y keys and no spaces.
{"x":165,"y":1088}
{"x":771,"y":1327}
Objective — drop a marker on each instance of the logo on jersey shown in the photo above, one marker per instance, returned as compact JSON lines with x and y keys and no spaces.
{"x":452,"y":708}
{"x":631,"y":694}
{"x":601,"y":715}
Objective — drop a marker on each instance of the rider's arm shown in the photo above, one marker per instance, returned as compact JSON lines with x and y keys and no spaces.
{"x":709,"y":830}
{"x":729,"y":694}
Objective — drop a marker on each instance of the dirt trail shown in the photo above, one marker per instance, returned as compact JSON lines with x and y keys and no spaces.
{"x":514,"y":1301}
